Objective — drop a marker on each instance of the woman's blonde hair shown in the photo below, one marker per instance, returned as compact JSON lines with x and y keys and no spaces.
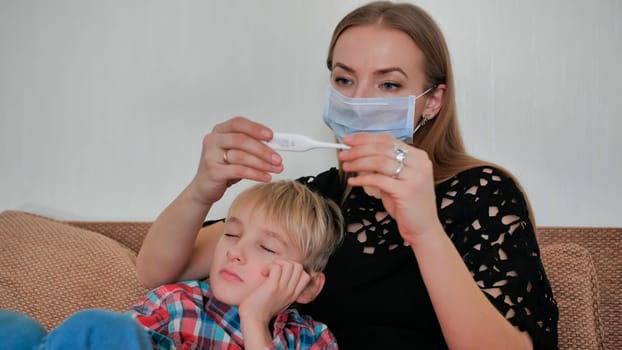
{"x":313,"y":223}
{"x":440,"y":137}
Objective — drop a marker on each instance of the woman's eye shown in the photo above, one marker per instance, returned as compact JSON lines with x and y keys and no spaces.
{"x":391,"y":86}
{"x":231,"y":235}
{"x":342,"y":81}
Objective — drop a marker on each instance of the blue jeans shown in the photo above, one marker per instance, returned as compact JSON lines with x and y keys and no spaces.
{"x":89,"y":329}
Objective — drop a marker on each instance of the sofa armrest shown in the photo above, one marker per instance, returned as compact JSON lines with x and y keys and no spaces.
{"x":572,"y":274}
{"x":51,"y":270}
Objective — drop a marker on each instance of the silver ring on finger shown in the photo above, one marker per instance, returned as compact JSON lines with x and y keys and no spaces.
{"x":400,"y":157}
{"x":224,"y":157}
{"x":400,"y":153}
{"x":399,"y":169}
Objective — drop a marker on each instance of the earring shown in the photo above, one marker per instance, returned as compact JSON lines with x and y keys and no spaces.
{"x":424,"y":119}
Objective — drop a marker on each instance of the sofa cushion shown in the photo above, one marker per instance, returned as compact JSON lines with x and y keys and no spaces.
{"x":572,"y":274}
{"x":97,"y":272}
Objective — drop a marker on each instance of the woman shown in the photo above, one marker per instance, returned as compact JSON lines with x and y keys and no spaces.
{"x":440,"y":250}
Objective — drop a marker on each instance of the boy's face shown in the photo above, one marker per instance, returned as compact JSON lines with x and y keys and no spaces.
{"x":248,"y":245}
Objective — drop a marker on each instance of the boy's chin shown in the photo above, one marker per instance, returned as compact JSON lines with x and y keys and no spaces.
{"x":226,"y":295}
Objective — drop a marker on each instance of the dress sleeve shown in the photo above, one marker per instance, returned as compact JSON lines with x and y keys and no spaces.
{"x":498,"y":244}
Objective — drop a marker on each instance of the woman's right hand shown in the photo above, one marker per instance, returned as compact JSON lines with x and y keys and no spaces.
{"x":233,"y":151}
{"x":176,"y":247}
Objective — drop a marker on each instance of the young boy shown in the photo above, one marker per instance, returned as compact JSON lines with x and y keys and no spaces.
{"x":276,"y":242}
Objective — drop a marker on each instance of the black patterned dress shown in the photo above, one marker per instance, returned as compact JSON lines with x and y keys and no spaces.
{"x":374,"y":296}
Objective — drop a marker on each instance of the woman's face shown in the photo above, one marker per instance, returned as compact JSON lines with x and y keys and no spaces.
{"x":374,"y":61}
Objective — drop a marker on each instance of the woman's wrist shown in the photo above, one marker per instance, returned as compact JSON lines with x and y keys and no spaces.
{"x":432,"y":237}
{"x":194,"y":194}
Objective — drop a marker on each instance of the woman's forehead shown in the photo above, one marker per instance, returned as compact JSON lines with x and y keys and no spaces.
{"x":374,"y":47}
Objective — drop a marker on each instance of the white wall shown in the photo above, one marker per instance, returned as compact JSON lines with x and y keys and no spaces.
{"x":103,"y":104}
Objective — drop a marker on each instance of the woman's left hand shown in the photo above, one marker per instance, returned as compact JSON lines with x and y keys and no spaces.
{"x":404,"y":176}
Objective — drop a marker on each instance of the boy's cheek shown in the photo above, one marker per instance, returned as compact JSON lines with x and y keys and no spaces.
{"x":265,"y":271}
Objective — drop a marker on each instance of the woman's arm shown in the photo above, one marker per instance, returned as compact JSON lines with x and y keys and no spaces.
{"x":467,"y":317}
{"x":468,"y":320}
{"x":494,"y":238}
{"x":176,"y":247}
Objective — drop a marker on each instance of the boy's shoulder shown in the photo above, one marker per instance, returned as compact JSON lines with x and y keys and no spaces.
{"x":196,"y":290}
{"x":307,"y":331}
{"x":190,"y":286}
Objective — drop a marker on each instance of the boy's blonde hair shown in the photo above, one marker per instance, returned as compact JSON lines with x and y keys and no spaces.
{"x":313,"y":223}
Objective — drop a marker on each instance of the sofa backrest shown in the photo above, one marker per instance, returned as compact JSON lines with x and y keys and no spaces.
{"x":600,"y":247}
{"x":582,"y":263}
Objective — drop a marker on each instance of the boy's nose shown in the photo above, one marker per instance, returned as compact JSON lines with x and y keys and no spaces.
{"x":235,"y":253}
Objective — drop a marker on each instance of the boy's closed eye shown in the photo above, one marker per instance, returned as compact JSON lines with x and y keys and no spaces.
{"x":271,"y":244}
{"x":268,"y":249}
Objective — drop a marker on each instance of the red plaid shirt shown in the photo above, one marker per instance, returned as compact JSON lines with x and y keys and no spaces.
{"x":187,"y":316}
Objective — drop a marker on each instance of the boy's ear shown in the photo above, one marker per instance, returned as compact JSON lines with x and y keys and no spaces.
{"x":312,"y":289}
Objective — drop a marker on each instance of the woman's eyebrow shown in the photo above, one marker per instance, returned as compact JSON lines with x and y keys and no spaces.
{"x":390,"y":70}
{"x":343,"y":66}
{"x":382,"y":71}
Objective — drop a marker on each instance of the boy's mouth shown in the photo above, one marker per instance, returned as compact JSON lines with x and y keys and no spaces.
{"x":229,"y":275}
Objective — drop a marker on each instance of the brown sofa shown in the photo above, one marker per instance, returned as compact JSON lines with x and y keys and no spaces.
{"x":51,"y":269}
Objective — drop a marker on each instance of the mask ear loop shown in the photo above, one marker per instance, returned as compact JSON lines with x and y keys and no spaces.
{"x":424,"y":118}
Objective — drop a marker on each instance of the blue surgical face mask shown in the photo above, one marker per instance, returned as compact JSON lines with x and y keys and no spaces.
{"x":392,"y":115}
